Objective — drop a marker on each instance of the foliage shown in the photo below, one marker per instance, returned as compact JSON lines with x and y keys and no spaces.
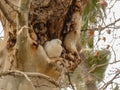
{"x":87,"y":39}
{"x":92,"y":11}
{"x":95,"y":59}
{"x":89,"y":18}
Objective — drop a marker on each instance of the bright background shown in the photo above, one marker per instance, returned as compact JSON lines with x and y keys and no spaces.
{"x":113,"y":40}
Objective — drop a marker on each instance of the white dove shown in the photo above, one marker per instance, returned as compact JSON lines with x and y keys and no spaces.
{"x":53,"y":48}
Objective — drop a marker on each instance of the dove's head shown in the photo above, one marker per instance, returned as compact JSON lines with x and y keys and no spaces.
{"x":56,"y":41}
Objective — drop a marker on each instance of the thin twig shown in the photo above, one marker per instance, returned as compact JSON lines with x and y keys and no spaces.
{"x":101,"y":65}
{"x":26,"y":76}
{"x":21,"y":29}
{"x":70,"y":82}
{"x":107,"y":26}
{"x":44,"y":85}
{"x":109,"y":82}
{"x":114,"y":53}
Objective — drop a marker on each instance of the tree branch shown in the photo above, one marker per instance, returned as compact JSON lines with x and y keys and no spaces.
{"x":69,"y":79}
{"x":26,"y":76}
{"x":110,"y":81}
{"x":14,"y":7}
{"x":101,"y":65}
{"x":22,"y":41}
{"x":6,"y":14}
{"x":29,"y":74}
{"x":102,"y":28}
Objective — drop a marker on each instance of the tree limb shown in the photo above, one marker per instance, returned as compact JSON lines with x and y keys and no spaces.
{"x":14,"y":7}
{"x":6,"y":14}
{"x":102,"y":28}
{"x":110,"y":81}
{"x":22,"y":41}
{"x":29,"y":74}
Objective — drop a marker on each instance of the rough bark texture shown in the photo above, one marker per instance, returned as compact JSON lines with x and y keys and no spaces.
{"x":35,"y":24}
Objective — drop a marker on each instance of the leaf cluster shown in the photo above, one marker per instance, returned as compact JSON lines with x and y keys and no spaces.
{"x":97,"y":58}
{"x":92,"y":11}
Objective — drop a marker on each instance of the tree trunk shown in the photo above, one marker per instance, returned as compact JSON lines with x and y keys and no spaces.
{"x":40,"y":36}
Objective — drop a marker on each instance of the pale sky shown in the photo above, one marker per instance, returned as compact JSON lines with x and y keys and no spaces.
{"x":113,"y":40}
{"x":1,"y":32}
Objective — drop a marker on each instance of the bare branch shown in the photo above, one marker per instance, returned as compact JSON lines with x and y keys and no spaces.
{"x":109,"y":82}
{"x":14,"y":7}
{"x":113,"y":23}
{"x":69,"y":79}
{"x":102,"y":28}
{"x":6,"y":14}
{"x":101,"y":65}
{"x":26,"y":76}
{"x":29,"y":74}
